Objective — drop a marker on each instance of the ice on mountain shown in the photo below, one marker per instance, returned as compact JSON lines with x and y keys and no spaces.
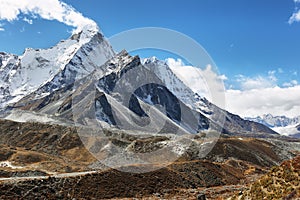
{"x":176,"y":85}
{"x":22,"y":75}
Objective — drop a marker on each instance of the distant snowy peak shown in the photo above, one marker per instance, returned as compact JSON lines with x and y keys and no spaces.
{"x":6,"y":58}
{"x":281,"y":124}
{"x":8,"y":66}
{"x":290,"y":130}
{"x":276,"y":121}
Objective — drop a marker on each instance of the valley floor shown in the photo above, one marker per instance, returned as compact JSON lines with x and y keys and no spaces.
{"x":43,"y":161}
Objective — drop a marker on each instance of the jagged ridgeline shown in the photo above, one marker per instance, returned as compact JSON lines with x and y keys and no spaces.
{"x":45,"y":81}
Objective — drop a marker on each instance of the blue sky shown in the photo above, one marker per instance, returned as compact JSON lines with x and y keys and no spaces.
{"x":248,"y":37}
{"x":251,"y":41}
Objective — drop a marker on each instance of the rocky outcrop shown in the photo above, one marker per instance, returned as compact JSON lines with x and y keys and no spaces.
{"x":281,"y":182}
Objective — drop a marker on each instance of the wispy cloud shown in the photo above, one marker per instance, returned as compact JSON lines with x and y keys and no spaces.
{"x":262,"y":95}
{"x":22,"y":29}
{"x":290,"y":84}
{"x":255,"y":102}
{"x":1,"y":27}
{"x":280,"y":70}
{"x":206,"y":82}
{"x":251,"y":97}
{"x":295,"y":73}
{"x":29,"y":21}
{"x":10,"y":10}
{"x":257,"y":82}
{"x":296,"y":15}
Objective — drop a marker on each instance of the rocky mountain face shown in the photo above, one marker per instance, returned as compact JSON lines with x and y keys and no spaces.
{"x":45,"y":70}
{"x":53,"y":82}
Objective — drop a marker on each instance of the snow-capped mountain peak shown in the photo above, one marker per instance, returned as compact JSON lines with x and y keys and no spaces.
{"x":87,"y":32}
{"x":171,"y":81}
{"x":152,"y":59}
{"x":275,"y":121}
{"x":42,"y":80}
{"x":281,"y":124}
{"x":36,"y":67}
{"x":176,"y":85}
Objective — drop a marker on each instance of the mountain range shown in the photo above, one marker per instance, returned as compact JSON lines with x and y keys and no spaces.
{"x":281,"y":124}
{"x":55,"y":82}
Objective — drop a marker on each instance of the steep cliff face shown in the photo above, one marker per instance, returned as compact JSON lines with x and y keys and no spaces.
{"x":45,"y":70}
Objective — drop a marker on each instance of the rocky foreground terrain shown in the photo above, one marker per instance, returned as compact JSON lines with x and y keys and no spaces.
{"x":281,"y":182}
{"x":43,"y":161}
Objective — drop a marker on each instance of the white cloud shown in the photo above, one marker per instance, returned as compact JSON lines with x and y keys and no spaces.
{"x":261,"y":95}
{"x":175,"y":63}
{"x":296,"y":15}
{"x":258,"y":82}
{"x":294,"y":82}
{"x":223,"y":77}
{"x":290,"y":84}
{"x":191,"y":76}
{"x":29,"y":21}
{"x":206,"y":82}
{"x":1,"y":27}
{"x":22,"y":29}
{"x":295,"y":73}
{"x":271,"y":76}
{"x":255,"y":102}
{"x":257,"y":95}
{"x":280,"y":70}
{"x":46,"y":9}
